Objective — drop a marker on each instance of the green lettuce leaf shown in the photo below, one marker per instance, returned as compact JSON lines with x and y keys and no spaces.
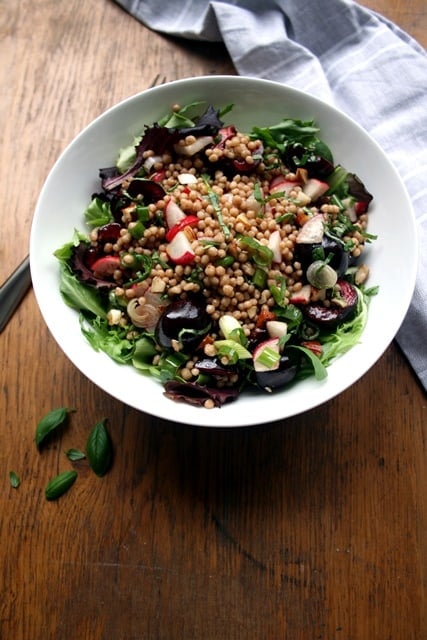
{"x":111,"y":340}
{"x":64,"y":253}
{"x":78,"y":295}
{"x":98,"y":213}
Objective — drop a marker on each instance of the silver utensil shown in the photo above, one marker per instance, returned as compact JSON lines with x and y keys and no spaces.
{"x":13,"y":290}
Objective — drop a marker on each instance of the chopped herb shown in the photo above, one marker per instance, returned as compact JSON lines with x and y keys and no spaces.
{"x":278,"y":291}
{"x":214,"y":200}
{"x":259,"y":197}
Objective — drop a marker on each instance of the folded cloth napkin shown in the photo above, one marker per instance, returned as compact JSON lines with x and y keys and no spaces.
{"x":343,"y":53}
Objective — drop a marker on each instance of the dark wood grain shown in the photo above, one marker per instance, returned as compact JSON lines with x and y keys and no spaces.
{"x":310,"y":528}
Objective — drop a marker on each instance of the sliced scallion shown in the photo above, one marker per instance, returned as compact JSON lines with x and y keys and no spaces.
{"x":259,"y":278}
{"x":260,"y":254}
{"x":231,"y":349}
{"x":269,"y":358}
{"x":232,"y":329}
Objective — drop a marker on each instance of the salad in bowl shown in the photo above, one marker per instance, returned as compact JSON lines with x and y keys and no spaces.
{"x":218,"y":260}
{"x":208,"y":251}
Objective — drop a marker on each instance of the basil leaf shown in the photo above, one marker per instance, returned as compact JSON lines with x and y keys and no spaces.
{"x":99,"y":449}
{"x":49,"y":422}
{"x":60,"y":484}
{"x":14,"y":479}
{"x":74,"y":455}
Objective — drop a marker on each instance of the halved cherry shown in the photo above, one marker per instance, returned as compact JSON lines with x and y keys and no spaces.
{"x":225,"y":134}
{"x":333,"y":315}
{"x":150,"y":190}
{"x":109,"y":232}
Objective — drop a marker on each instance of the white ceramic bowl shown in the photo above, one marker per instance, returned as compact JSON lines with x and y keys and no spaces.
{"x":392,"y":257}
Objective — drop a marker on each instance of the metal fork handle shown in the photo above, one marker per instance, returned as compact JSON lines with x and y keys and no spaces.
{"x":13,"y":291}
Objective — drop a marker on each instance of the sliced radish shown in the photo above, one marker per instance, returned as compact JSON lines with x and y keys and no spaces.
{"x":276,"y":328}
{"x":173,"y":214}
{"x":187,"y":178}
{"x":315,"y":188}
{"x":190,"y":149}
{"x":266,"y":356}
{"x":302,"y":296}
{"x":281,"y":184}
{"x":274,"y":246}
{"x":312,"y":231}
{"x":158,"y":176}
{"x":180,"y":250}
{"x":105,"y":266}
{"x":188,"y":221}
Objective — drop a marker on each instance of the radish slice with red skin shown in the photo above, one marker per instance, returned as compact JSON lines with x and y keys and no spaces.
{"x":180,"y":250}
{"x":188,"y":221}
{"x":105,"y":266}
{"x":158,"y":176}
{"x":173,"y":214}
{"x":281,"y":184}
{"x":302,"y":296}
{"x":315,"y":188}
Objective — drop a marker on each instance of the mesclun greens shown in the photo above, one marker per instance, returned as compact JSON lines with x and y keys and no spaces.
{"x":141,"y":277}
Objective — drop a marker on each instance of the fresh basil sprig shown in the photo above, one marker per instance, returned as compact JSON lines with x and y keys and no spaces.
{"x":49,"y":422}
{"x":99,"y":449}
{"x":60,"y":484}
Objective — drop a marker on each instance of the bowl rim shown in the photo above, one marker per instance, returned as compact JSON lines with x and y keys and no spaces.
{"x":218,"y":417}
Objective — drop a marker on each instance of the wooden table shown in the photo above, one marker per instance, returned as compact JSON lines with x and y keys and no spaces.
{"x":310,"y":528}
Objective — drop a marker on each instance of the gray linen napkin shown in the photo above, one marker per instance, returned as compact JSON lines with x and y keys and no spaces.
{"x":342,"y":53}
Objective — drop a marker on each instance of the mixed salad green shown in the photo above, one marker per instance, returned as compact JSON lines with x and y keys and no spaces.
{"x":140,"y":274}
